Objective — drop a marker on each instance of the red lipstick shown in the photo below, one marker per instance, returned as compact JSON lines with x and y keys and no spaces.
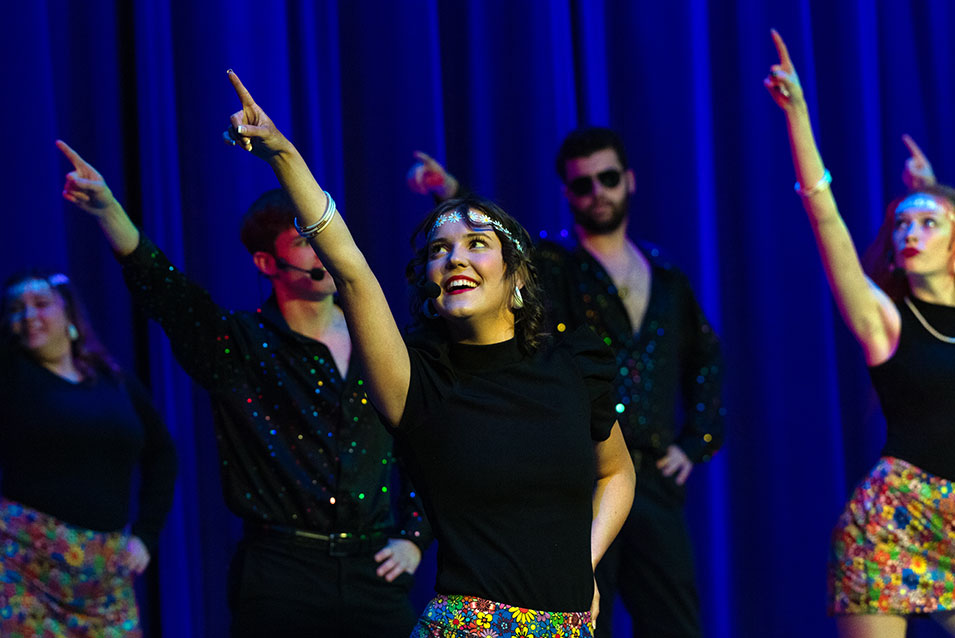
{"x":459,"y":284}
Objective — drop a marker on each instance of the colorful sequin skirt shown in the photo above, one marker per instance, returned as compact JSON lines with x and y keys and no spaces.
{"x":472,"y":617}
{"x":893,"y":546}
{"x":57,"y":580}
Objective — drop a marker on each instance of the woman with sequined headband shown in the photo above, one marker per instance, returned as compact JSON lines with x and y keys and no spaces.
{"x":510,"y":437}
{"x":525,"y":305}
{"x":72,"y":430}
{"x":893,"y":546}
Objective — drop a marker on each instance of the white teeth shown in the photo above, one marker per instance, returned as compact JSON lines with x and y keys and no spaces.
{"x":461,"y":283}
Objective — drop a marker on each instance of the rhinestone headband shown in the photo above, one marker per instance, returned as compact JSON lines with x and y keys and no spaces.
{"x":37,"y":283}
{"x":478,"y":219}
{"x":921,"y":202}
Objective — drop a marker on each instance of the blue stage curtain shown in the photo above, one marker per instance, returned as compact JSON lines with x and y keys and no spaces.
{"x":491,"y":87}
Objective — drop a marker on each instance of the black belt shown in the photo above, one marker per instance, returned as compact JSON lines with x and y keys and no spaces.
{"x":335,"y":543}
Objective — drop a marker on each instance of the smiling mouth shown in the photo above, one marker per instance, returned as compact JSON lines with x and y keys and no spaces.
{"x":459,"y":285}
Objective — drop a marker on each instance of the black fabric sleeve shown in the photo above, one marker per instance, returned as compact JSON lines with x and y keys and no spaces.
{"x":430,"y":376}
{"x":198,"y":329}
{"x":595,"y":362}
{"x":702,"y":432}
{"x":158,"y":468}
{"x":411,"y":519}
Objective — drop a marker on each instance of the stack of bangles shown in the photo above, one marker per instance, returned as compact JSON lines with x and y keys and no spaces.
{"x":312,"y":230}
{"x":818,"y":187}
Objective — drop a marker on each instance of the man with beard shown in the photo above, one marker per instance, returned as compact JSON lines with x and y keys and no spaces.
{"x":669,"y":373}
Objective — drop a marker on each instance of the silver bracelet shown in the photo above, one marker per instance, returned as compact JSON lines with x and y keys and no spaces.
{"x":314,"y":229}
{"x":818,"y":187}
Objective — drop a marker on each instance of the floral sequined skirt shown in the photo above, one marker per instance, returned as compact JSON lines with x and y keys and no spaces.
{"x":893,"y":546}
{"x":472,"y":617}
{"x":57,"y":580}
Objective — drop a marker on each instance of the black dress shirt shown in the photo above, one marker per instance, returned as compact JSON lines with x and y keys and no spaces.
{"x":300,"y":445}
{"x":668,"y":373}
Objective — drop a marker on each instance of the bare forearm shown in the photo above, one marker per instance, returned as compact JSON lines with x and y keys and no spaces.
{"x":832,"y":236}
{"x":334,"y":245}
{"x":613,"y":491}
{"x":377,"y":339}
{"x":613,"y":496}
{"x":853,"y":294}
{"x":806,"y":159}
{"x":120,"y":231}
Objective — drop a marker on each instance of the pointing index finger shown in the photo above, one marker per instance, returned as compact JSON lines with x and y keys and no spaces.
{"x":423,"y":157}
{"x":74,"y":157}
{"x":913,"y":147}
{"x":784,"y":60}
{"x":244,"y":96}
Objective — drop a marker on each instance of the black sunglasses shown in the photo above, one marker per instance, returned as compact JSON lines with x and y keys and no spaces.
{"x":584,"y":185}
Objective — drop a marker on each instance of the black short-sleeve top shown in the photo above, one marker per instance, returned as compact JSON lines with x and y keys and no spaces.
{"x":500,"y":447}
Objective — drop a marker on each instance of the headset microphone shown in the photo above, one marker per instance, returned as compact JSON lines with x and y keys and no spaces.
{"x":430,"y":290}
{"x":317,"y":274}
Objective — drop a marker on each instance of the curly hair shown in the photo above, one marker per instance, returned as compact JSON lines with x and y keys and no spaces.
{"x":89,"y":355}
{"x":529,"y":319}
{"x":878,"y":260}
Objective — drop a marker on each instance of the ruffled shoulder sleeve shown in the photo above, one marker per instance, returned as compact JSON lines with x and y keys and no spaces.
{"x":595,"y":362}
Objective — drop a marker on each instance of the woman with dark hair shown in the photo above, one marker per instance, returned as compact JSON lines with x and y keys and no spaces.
{"x":509,"y":436}
{"x":72,"y":429}
{"x":525,"y":304}
{"x":893,"y":546}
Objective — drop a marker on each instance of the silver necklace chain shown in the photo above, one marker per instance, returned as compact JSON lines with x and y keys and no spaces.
{"x":925,"y":324}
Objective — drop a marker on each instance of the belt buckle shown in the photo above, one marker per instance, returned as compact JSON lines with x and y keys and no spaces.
{"x":338,"y":544}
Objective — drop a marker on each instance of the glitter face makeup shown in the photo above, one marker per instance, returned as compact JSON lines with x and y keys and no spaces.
{"x":475,"y":218}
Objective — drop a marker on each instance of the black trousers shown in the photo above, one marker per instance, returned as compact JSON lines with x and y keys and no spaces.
{"x":291,"y":588}
{"x":650,"y":564}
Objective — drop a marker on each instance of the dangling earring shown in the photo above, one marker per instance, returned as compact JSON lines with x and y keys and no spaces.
{"x":427,"y":309}
{"x":72,"y":332}
{"x":517,"y":300}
